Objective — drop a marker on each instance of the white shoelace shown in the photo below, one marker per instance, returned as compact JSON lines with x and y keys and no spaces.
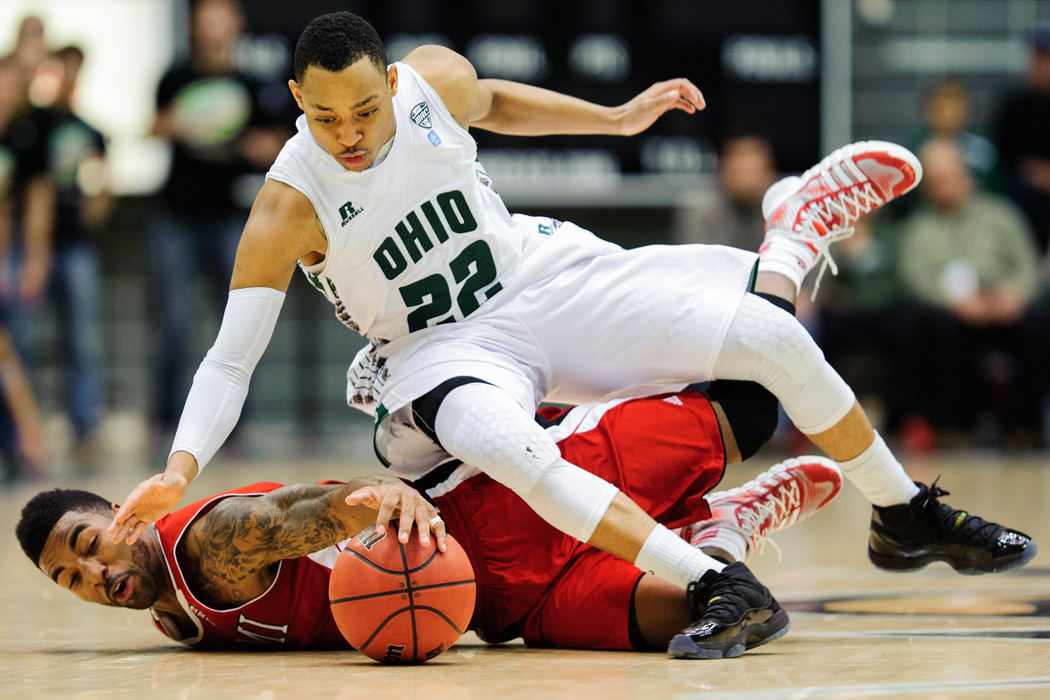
{"x":862,"y":199}
{"x":780,"y":498}
{"x":824,"y":255}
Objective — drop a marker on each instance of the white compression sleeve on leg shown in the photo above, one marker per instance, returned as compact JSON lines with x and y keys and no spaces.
{"x":221,"y":382}
{"x":768,"y":345}
{"x":483,"y":426}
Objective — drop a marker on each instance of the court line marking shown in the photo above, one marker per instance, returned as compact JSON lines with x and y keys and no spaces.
{"x":874,"y":689}
{"x":1017,"y":591}
{"x":960,"y":635}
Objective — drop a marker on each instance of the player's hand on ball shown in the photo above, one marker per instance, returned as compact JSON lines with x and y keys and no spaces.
{"x":150,"y":501}
{"x":409,"y":505}
{"x":645,"y":108}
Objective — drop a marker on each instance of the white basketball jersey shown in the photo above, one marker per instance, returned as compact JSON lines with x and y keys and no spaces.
{"x":421,"y":238}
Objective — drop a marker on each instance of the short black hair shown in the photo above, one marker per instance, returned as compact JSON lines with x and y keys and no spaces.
{"x":45,"y":509}
{"x":335,"y":41}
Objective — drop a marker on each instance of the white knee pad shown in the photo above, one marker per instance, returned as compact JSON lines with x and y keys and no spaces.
{"x":483,"y":426}
{"x":768,"y":345}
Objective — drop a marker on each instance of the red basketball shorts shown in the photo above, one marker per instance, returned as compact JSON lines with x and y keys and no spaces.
{"x":664,"y":452}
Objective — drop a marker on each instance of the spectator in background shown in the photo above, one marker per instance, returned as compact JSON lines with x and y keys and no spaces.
{"x":76,"y":160}
{"x":1024,"y":139}
{"x":731,"y":214}
{"x":26,"y":214}
{"x":967,"y":256}
{"x":30,"y":50}
{"x":23,"y":451}
{"x":947,"y":112}
{"x":29,"y":191}
{"x":211,"y":113}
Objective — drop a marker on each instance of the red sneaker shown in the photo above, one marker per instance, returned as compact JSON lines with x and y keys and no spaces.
{"x":785,"y":494}
{"x":820,"y":206}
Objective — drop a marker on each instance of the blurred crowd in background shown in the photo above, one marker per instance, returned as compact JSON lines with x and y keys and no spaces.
{"x":939,"y":316}
{"x":224,"y":126}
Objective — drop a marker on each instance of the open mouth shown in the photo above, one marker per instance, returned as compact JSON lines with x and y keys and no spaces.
{"x":121,"y":591}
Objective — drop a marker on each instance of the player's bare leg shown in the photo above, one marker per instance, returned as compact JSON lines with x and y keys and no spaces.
{"x":775,"y":284}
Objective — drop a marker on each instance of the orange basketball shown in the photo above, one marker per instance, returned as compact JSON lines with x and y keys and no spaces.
{"x":401,"y":603}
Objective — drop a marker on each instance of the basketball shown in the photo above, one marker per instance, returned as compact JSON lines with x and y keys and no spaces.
{"x":401,"y":603}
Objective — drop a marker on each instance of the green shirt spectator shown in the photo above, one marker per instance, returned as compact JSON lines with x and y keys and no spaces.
{"x":964,"y":250}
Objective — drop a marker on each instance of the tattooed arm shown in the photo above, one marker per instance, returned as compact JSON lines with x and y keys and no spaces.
{"x":232,"y":547}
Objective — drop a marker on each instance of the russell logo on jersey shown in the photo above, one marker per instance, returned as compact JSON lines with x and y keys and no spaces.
{"x":348,"y":211}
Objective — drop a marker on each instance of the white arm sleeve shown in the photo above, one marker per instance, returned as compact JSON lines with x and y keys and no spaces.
{"x":221,"y":382}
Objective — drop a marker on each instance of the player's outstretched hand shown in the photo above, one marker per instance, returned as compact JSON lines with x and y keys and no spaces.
{"x":150,"y":501}
{"x":640,"y":113}
{"x":398,"y":497}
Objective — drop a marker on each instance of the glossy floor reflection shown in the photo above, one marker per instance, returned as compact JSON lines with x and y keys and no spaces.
{"x":857,"y":632}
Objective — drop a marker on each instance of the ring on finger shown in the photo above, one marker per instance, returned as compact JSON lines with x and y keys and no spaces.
{"x":435,"y":520}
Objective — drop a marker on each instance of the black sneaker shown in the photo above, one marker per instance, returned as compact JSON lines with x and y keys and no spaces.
{"x":733,"y":612}
{"x":911,"y":535}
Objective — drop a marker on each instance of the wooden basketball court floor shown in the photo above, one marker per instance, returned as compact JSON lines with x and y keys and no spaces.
{"x":857,"y":632}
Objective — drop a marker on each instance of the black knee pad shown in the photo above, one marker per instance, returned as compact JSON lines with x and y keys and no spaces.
{"x":779,"y":302}
{"x":751,"y":410}
{"x":425,"y":408}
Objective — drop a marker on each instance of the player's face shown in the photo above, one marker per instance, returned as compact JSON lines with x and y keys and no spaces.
{"x":946,"y":179}
{"x":217,"y":22}
{"x":80,"y":557}
{"x":350,"y":112}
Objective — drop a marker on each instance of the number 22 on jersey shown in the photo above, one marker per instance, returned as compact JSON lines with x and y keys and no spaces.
{"x":473,"y":270}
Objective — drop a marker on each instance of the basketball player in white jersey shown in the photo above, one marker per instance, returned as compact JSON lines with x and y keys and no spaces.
{"x":477,"y":315}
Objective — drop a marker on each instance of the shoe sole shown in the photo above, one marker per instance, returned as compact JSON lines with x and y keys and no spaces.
{"x":898,"y":564}
{"x":754,"y":635}
{"x":874,"y":149}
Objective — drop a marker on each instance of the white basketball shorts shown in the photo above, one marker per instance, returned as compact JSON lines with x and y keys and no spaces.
{"x":610,"y":324}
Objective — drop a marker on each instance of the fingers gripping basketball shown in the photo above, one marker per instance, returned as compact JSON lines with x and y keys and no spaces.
{"x":401,"y":603}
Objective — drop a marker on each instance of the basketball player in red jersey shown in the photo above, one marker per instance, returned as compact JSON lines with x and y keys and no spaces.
{"x":250,"y":567}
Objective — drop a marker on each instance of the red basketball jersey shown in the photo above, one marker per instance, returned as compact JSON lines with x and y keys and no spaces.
{"x":293,"y":613}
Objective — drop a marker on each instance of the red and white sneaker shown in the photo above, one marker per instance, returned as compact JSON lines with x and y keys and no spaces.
{"x":785,"y":494}
{"x":820,"y":206}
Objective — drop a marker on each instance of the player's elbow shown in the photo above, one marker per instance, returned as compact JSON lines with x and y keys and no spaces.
{"x":233,"y":368}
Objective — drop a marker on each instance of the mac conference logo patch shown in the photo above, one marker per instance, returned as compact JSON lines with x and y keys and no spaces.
{"x":421,"y":115}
